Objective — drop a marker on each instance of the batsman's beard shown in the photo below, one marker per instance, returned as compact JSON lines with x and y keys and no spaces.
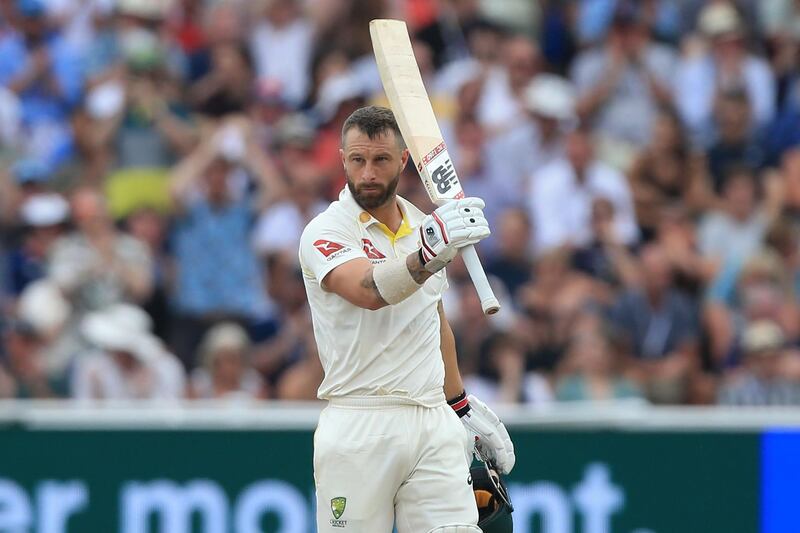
{"x":377,"y":196}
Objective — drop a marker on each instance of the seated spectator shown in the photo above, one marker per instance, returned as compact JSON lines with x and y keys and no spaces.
{"x":760,"y":380}
{"x":736,"y":144}
{"x":759,"y":290}
{"x":511,"y":261}
{"x":97,"y":265}
{"x":661,"y":175}
{"x":24,"y":179}
{"x":591,"y":371}
{"x":736,"y":231}
{"x":44,"y":217}
{"x":217,"y":272}
{"x":502,"y":375}
{"x":658,"y":324}
{"x":25,"y":371}
{"x":604,"y":258}
{"x":553,"y":301}
{"x":225,"y":371}
{"x":726,"y":66}
{"x":562,"y":194}
{"x":676,"y":233}
{"x":127,"y":362}
{"x":288,"y":359}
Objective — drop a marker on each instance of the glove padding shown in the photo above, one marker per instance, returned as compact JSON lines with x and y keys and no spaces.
{"x":449,"y":228}
{"x":489,"y":436}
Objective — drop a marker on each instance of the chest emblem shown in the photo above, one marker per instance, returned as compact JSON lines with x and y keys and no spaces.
{"x":371,"y":251}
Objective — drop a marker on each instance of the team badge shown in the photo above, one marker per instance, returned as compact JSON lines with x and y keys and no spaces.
{"x":337,"y":506}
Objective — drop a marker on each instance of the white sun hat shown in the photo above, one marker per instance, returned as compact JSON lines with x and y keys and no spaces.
{"x":550,"y":96}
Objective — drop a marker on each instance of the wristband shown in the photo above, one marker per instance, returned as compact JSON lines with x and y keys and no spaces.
{"x":394,"y":281}
{"x":460,"y":404}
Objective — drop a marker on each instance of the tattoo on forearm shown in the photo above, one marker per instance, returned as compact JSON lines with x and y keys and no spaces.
{"x":368,"y":282}
{"x":416,"y":269}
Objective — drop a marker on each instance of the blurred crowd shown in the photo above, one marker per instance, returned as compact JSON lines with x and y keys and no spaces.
{"x":639,"y":159}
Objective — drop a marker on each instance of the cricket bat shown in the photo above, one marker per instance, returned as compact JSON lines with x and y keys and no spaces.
{"x":412,"y":109}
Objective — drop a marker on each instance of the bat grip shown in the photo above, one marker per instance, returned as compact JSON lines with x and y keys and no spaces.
{"x":489,"y":302}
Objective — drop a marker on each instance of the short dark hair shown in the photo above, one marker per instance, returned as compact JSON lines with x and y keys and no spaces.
{"x":374,"y":121}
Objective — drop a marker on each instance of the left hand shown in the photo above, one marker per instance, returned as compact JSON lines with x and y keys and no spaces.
{"x":488,"y":436}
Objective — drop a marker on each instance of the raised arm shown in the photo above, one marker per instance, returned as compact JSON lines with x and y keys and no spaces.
{"x":442,"y":234}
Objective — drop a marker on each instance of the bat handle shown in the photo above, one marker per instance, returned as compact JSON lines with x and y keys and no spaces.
{"x":489,"y":302}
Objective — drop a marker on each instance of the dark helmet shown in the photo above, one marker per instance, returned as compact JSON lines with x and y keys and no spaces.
{"x":491,"y":495}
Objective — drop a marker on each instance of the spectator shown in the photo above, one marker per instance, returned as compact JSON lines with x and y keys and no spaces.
{"x":604,"y":258}
{"x":736,"y":144}
{"x":127,"y":362}
{"x":288,"y":359}
{"x":761,"y":380}
{"x":736,"y":231}
{"x":217,"y":273}
{"x":44,"y":217}
{"x":592,"y":372}
{"x":44,"y":71}
{"x":515,"y":156}
{"x":225,"y":371}
{"x":760,"y":290}
{"x":135,"y":124}
{"x":511,"y":262}
{"x":622,"y":83}
{"x":662,"y":174}
{"x":97,"y":265}
{"x":26,"y":178}
{"x":502,"y":376}
{"x":281,"y":45}
{"x":562,"y":195}
{"x":725,"y":66}
{"x":658,"y":324}
{"x":501,"y":99}
{"x":26,"y":373}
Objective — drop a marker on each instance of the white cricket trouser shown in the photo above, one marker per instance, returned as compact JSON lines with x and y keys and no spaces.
{"x":377,"y":463}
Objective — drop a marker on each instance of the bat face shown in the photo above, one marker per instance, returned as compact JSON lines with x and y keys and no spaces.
{"x":412,"y":109}
{"x":439,"y":176}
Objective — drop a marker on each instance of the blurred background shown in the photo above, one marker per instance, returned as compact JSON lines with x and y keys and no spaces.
{"x":640,"y":163}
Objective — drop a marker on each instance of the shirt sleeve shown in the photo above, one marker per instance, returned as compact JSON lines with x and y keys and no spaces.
{"x":323,"y":247}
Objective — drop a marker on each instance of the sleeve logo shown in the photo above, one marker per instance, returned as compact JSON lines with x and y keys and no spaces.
{"x":326,"y":248}
{"x":371,"y":251}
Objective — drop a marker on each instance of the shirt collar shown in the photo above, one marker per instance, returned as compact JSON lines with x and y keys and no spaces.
{"x":412,"y":217}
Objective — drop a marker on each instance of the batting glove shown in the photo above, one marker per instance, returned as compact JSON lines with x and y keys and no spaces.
{"x":489,"y":437}
{"x":449,"y":228}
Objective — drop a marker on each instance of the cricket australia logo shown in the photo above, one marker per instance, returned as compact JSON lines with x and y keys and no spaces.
{"x":337,"y":508}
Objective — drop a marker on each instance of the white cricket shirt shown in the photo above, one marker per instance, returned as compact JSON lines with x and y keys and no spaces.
{"x":393,"y":351}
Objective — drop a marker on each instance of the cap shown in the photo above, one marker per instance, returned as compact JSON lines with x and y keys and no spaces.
{"x":718,"y":19}
{"x":46,"y":209}
{"x":550,"y":96}
{"x":30,"y":171}
{"x":762,"y":336}
{"x":224,"y":336}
